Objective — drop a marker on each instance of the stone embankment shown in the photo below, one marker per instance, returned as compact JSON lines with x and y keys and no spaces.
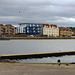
{"x":9,"y":38}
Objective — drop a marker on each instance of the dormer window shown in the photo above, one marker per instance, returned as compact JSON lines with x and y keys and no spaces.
{"x":46,"y":26}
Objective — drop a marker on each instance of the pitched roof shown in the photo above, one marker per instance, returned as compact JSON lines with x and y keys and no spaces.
{"x":9,"y":25}
{"x":64,"y":28}
{"x":49,"y":25}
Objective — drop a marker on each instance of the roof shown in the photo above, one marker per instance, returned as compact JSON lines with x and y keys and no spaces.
{"x":64,"y":28}
{"x":49,"y":25}
{"x":9,"y":25}
{"x":30,"y":23}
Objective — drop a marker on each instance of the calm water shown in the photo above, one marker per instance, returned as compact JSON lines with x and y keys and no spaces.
{"x":37,"y":46}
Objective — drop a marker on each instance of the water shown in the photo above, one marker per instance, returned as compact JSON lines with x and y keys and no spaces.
{"x":37,"y":46}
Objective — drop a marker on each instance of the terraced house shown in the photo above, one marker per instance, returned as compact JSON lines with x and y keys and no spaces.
{"x":7,"y":30}
{"x":50,"y":30}
{"x":65,"y":32}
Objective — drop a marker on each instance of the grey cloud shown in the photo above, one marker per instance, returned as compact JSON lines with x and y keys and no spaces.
{"x":40,"y":11}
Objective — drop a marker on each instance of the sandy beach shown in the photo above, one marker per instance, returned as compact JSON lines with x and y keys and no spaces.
{"x":36,"y":69}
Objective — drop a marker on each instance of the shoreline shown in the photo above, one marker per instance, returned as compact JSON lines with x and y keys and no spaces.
{"x":36,"y":69}
{"x":31,"y":38}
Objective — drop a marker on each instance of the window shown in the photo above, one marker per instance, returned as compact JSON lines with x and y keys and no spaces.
{"x":68,"y":32}
{"x":30,"y":25}
{"x":37,"y":25}
{"x":46,"y":26}
{"x":27,"y":28}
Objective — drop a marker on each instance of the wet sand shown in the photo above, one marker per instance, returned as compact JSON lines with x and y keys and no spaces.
{"x":36,"y":69}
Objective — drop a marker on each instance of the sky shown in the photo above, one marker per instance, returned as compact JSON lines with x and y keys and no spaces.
{"x":59,"y":12}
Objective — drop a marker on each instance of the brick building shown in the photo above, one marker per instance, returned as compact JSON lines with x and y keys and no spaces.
{"x":7,"y":30}
{"x":65,"y":32}
{"x":1,"y":29}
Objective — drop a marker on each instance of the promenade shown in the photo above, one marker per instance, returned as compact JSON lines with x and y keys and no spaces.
{"x":34,"y":38}
{"x":36,"y":69}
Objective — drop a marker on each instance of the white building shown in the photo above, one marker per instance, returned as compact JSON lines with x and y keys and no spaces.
{"x":50,"y":30}
{"x":20,"y":29}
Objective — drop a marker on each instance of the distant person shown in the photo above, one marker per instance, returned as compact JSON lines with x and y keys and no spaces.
{"x":59,"y":62}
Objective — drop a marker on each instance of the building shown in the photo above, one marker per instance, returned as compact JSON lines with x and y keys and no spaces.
{"x":1,"y":29}
{"x":65,"y":32}
{"x":73,"y":30}
{"x":29,"y":29}
{"x":50,"y":30}
{"x":7,"y":30}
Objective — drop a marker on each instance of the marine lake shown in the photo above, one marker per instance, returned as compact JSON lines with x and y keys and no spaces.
{"x":38,"y":46}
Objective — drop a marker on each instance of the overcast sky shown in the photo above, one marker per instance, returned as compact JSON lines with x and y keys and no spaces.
{"x":60,"y":12}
